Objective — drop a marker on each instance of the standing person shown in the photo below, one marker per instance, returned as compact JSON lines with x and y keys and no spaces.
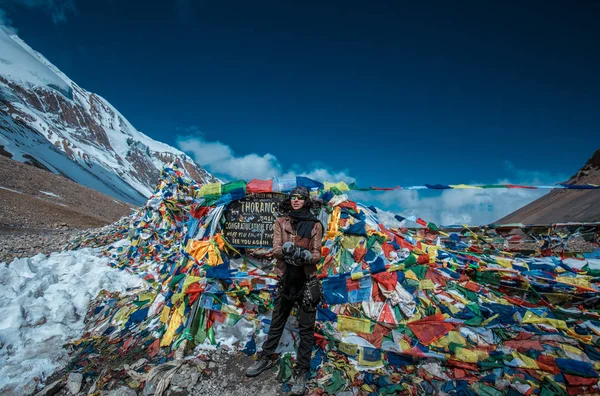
{"x":297,"y":248}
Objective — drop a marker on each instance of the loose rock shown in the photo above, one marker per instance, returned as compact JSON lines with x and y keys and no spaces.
{"x":122,"y":391}
{"x":74,"y":382}
{"x":51,"y":389}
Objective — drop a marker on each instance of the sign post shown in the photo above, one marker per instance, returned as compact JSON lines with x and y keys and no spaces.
{"x":249,"y":221}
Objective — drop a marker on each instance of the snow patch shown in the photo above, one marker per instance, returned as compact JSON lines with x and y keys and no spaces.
{"x":43,"y":301}
{"x":10,"y":189}
{"x":50,"y":194}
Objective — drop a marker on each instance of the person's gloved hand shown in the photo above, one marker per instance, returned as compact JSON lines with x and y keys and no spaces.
{"x":291,"y":253}
{"x":305,"y":257}
{"x":288,"y":249}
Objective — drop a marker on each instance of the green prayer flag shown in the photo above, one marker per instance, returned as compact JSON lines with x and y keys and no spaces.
{"x":550,"y":388}
{"x":410,"y":260}
{"x":234,"y":185}
{"x":285,"y":368}
{"x":432,"y":227}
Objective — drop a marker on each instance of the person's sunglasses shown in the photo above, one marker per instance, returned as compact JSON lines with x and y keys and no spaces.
{"x":297,"y":197}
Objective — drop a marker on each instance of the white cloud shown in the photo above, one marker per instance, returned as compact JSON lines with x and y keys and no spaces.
{"x":206,"y":153}
{"x":6,"y":23}
{"x":251,"y":166}
{"x":219,"y":159}
{"x":58,"y":9}
{"x":445,"y":207}
{"x":388,"y":219}
{"x":322,"y":174}
{"x":460,"y":206}
{"x":465,"y":206}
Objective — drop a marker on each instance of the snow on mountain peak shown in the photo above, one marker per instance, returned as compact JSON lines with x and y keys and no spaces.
{"x":48,"y":120}
{"x":18,"y":63}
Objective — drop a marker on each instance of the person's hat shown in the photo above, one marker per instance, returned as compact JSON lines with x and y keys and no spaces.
{"x":302,"y":191}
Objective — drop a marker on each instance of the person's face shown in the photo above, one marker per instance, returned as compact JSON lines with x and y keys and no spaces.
{"x":297,"y":202}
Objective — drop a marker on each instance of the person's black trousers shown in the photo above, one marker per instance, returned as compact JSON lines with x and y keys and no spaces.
{"x":306,"y":325}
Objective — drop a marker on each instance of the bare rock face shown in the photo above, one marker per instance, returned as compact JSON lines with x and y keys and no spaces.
{"x":563,"y":205}
{"x":589,"y":173}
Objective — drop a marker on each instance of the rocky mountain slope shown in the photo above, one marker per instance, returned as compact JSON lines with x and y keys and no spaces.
{"x":41,"y":211}
{"x":47,"y":120}
{"x":560,"y":206}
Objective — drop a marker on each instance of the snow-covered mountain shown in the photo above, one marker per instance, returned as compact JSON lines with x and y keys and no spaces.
{"x":47,"y":120}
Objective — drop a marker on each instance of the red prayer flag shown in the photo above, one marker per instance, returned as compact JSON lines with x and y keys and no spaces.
{"x":154,"y":348}
{"x":387,"y":249}
{"x":519,"y":186}
{"x":386,"y":279}
{"x":259,"y":186}
{"x":198,"y":212}
{"x":359,"y":253}
{"x":349,"y":205}
{"x":574,"y":380}
{"x":404,"y":244}
{"x":430,"y":328}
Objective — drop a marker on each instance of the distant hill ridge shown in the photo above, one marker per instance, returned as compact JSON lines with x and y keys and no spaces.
{"x":561,"y":206}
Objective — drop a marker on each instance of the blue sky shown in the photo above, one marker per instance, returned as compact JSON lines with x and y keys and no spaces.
{"x":386,"y":94}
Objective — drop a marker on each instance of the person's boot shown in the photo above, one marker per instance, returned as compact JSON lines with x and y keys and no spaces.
{"x":299,"y":382}
{"x":263,"y":363}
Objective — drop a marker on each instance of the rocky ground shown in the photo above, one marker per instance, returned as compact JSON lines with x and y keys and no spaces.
{"x":27,"y":242}
{"x":41,"y":211}
{"x":19,"y":242}
{"x":216,"y":374}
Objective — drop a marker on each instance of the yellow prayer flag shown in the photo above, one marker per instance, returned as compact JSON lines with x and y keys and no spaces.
{"x":357,"y":325}
{"x":462,"y":186}
{"x":181,"y":309}
{"x":527,"y":361}
{"x":504,"y":262}
{"x":210,"y":189}
{"x":170,"y":333}
{"x":489,"y":320}
{"x":532,"y":318}
{"x":404,"y":345}
{"x":426,"y":284}
{"x":367,"y":388}
{"x":264,"y":295}
{"x":122,"y":316}
{"x":342,"y":186}
{"x":579,"y":281}
{"x":164,"y":314}
{"x":451,"y":307}
{"x":348,"y":349}
{"x":411,"y":275}
{"x":470,"y":355}
{"x":356,"y":275}
{"x":451,"y":337}
{"x":572,"y":349}
{"x":369,"y":363}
